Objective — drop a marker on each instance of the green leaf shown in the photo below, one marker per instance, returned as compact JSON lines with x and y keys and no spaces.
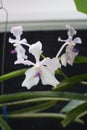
{"x":71,"y":115}
{"x":80,"y":59}
{"x":40,"y":115}
{"x":71,"y":105}
{"x":37,"y":115}
{"x":81,"y":5}
{"x":40,"y":96}
{"x":36,"y":108}
{"x":70,"y":82}
{"x":4,"y":125}
{"x":12,"y":74}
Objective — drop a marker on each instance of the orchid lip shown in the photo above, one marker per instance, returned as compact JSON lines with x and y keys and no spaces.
{"x":75,"y":50}
{"x":37,"y":74}
{"x":13,"y":51}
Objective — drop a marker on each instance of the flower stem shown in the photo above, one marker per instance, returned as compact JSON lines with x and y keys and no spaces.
{"x":66,"y":43}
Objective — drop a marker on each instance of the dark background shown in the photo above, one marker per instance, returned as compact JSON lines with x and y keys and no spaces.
{"x":50,"y":49}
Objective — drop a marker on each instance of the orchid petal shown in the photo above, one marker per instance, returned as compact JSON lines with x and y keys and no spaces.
{"x":52,"y":64}
{"x":63,"y":59}
{"x":47,"y":77}
{"x":59,"y":39}
{"x":23,"y":41}
{"x":30,"y":79}
{"x":71,"y":58}
{"x":70,"y":55}
{"x":75,"y":51}
{"x":25,"y":62}
{"x":36,"y":50}
{"x":77,"y":40}
{"x":71,"y":31}
{"x":13,"y":51}
{"x":12,"y":40}
{"x":20,"y":53}
{"x":21,"y":61}
{"x":17,"y":31}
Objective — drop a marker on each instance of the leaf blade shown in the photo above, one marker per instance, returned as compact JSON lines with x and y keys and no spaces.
{"x":81,"y":5}
{"x":71,"y":115}
{"x":4,"y":125}
{"x":70,"y":82}
{"x":12,"y":74}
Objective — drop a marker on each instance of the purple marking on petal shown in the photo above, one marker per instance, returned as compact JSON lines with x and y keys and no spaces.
{"x":75,"y":50}
{"x":37,"y":74}
{"x":13,"y":51}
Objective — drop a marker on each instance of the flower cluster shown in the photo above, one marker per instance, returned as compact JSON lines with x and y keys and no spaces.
{"x":43,"y":69}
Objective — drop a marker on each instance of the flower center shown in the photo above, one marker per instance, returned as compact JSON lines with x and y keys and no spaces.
{"x":37,"y":66}
{"x":17,"y":43}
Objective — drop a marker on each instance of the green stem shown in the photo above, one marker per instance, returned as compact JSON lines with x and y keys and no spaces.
{"x":42,"y":56}
{"x":60,"y":72}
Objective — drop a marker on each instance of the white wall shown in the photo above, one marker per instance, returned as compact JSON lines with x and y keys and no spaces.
{"x":42,"y":14}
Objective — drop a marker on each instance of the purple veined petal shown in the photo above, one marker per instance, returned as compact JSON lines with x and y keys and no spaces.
{"x":77,"y":40}
{"x":13,"y":51}
{"x":17,"y":31}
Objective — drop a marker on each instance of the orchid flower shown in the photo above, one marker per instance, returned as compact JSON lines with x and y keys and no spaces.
{"x":44,"y":69}
{"x":17,"y":43}
{"x":70,"y":52}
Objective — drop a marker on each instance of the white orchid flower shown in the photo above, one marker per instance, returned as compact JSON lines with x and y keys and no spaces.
{"x":44,"y":70}
{"x":71,"y":52}
{"x":17,"y":43}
